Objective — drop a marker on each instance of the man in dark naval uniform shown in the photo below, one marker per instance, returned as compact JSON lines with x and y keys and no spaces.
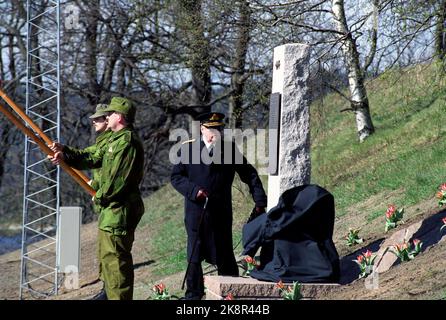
{"x":206,"y":170}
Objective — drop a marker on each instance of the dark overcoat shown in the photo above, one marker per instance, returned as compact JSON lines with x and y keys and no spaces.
{"x":296,"y":238}
{"x":215,"y":240}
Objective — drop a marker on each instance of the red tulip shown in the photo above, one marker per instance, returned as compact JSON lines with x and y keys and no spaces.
{"x":391,"y":208}
{"x":367,"y":254}
{"x":229,"y":297}
{"x":159,"y":288}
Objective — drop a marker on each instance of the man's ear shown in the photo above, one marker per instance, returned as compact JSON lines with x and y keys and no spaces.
{"x":121,"y":118}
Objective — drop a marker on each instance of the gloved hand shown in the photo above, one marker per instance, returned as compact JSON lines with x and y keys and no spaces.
{"x":256,"y":211}
{"x":260,"y":210}
{"x":201,"y":195}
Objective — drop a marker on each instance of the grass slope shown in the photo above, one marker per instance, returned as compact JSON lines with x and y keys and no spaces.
{"x":402,"y":163}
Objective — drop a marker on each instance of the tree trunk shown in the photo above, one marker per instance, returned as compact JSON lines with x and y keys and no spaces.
{"x":198,"y":53}
{"x":2,"y":72}
{"x":440,"y":32}
{"x":5,"y":144}
{"x":358,"y":94}
{"x":238,"y":66}
{"x":6,"y":125}
{"x":94,"y":90}
{"x":120,"y":77}
{"x":373,"y":41}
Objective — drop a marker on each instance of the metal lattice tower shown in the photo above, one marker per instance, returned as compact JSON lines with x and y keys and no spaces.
{"x":39,"y":269}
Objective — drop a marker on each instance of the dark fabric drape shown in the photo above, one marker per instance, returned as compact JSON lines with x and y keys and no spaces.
{"x":296,"y":238}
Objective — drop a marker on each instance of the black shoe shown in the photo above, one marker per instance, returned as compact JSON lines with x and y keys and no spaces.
{"x":100,"y":296}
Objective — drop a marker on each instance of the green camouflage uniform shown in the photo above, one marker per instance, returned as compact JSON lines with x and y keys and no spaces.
{"x":101,"y":142}
{"x":121,"y":206}
{"x":72,"y":153}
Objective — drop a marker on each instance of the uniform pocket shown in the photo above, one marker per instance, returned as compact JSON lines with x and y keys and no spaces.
{"x":116,"y":216}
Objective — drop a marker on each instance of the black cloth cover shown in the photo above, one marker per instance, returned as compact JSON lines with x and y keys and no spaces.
{"x":296,"y":238}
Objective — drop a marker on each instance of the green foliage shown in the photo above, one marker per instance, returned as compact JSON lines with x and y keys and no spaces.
{"x":160,"y":292}
{"x":292,"y":292}
{"x":441,"y":195}
{"x":406,"y":153}
{"x":353,"y":237}
{"x":250,"y":263}
{"x":405,"y":252}
{"x":365,"y":261}
{"x":393,"y":216}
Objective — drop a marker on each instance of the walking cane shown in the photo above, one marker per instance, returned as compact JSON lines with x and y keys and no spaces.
{"x":195,"y":242}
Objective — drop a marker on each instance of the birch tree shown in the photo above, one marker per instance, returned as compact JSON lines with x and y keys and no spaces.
{"x":358,"y":93}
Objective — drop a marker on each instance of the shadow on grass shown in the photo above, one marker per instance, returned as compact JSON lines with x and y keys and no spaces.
{"x":143,"y":264}
{"x":428,"y":233}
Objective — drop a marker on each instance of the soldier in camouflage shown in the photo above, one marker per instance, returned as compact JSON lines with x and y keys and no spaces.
{"x":99,"y":119}
{"x":117,"y":195}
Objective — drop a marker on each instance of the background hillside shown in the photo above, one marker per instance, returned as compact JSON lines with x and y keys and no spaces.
{"x":402,"y":164}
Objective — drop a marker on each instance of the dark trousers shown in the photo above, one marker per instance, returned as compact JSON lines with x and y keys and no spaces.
{"x":195,"y":280}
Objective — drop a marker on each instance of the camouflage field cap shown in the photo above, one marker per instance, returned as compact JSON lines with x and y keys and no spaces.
{"x":124,"y":106}
{"x":211,"y":119}
{"x":99,"y":111}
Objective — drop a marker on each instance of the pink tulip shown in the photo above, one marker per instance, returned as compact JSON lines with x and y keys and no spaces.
{"x":229,"y":297}
{"x":391,"y":208}
{"x":443,"y":186}
{"x":367,"y":254}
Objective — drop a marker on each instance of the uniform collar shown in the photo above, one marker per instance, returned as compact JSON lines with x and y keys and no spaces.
{"x":104,"y":133}
{"x":207,"y":144}
{"x":121,"y":132}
